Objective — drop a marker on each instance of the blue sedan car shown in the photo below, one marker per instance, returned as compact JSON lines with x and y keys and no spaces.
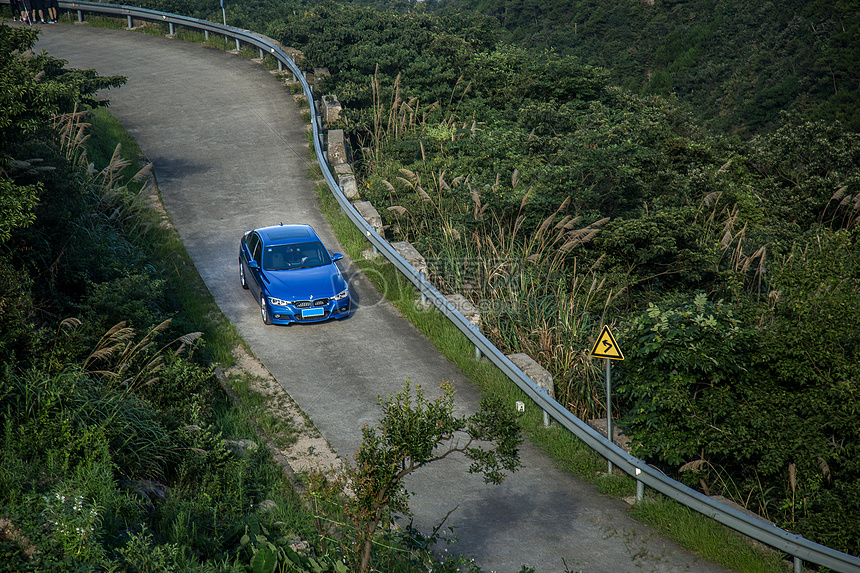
{"x":292,"y":275}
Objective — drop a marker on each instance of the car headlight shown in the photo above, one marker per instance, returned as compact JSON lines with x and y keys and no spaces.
{"x":279,"y":301}
{"x":341,"y":295}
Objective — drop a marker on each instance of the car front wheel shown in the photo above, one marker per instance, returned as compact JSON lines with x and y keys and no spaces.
{"x":242,"y":276}
{"x":264,"y":310}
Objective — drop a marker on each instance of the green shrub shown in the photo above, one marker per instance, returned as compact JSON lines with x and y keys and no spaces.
{"x":687,"y":361}
{"x":134,"y":298}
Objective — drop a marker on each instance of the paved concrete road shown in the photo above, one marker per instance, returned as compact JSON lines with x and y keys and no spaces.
{"x":230,"y":153}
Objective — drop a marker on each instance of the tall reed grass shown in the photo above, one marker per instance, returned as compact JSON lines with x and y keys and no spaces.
{"x":534,"y":294}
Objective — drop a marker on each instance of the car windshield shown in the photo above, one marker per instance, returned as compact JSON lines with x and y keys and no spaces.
{"x":296,"y":256}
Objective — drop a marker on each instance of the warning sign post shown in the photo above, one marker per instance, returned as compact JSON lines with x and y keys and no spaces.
{"x":608,"y":349}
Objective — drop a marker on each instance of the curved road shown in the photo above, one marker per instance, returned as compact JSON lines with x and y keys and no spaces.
{"x":230,"y":153}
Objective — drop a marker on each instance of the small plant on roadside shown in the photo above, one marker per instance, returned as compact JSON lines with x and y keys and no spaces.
{"x":414,"y":432}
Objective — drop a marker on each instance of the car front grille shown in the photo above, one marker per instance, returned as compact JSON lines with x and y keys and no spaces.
{"x":310,"y":303}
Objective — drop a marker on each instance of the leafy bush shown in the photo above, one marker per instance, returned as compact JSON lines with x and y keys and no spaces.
{"x":764,"y":416}
{"x":809,"y":168}
{"x":134,"y":298}
{"x":687,"y":361}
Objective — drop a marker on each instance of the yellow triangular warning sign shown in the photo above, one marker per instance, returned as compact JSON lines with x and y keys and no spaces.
{"x":606,"y":347}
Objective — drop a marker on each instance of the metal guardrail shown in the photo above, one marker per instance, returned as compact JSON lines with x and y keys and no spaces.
{"x":797,"y":546}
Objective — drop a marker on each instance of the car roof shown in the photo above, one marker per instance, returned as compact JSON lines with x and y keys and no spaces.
{"x":287,"y":234}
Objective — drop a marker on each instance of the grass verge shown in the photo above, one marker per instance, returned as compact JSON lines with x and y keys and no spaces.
{"x":711,"y":540}
{"x":199,"y":308}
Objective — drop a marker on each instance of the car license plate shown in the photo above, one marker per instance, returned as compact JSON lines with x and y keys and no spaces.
{"x":313,"y":312}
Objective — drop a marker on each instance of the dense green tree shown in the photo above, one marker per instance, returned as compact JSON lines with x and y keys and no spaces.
{"x":687,"y":360}
{"x":807,"y":169}
{"x":737,"y":63}
{"x":357,"y":44}
{"x":35,"y":92}
{"x":768,"y":414}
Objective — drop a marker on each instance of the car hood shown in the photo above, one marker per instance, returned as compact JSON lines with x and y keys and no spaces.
{"x":303,"y":284}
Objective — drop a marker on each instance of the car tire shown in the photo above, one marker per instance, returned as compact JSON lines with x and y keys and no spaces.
{"x":242,"y":279}
{"x":264,"y":310}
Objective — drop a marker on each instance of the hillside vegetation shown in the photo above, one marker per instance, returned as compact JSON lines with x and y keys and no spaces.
{"x":736,"y":64}
{"x":560,"y":196}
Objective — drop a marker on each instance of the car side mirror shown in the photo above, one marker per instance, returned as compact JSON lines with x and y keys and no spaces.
{"x":336,"y":257}
{"x":252,"y":264}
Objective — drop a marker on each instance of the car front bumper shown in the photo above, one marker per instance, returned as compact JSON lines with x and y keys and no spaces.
{"x":289,"y":314}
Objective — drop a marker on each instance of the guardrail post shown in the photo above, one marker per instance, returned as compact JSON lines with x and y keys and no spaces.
{"x":172,"y":31}
{"x":469,"y":311}
{"x":424,"y":300}
{"x":80,"y":17}
{"x":371,"y":216}
{"x":414,"y":258}
{"x":130,"y":25}
{"x":330,"y":108}
{"x":337,"y":153}
{"x":237,"y":45}
{"x":546,"y":420}
{"x":206,"y":34}
{"x":538,"y":374}
{"x":640,"y":487}
{"x":798,"y":565}
{"x":346,"y":180}
{"x":261,"y":52}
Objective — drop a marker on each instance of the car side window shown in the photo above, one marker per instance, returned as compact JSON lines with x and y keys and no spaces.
{"x":254,"y":246}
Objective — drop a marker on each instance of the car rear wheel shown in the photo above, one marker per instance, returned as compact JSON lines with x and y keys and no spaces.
{"x":242,"y":276}
{"x":264,"y":311}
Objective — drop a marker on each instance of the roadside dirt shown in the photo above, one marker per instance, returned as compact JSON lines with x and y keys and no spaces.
{"x":308,"y":450}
